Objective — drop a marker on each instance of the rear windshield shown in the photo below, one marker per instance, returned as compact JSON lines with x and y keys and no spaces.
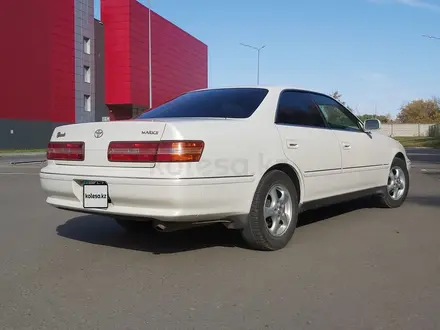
{"x":217,"y":103}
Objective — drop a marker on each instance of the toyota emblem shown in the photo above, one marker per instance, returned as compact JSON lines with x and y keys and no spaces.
{"x":99,"y":133}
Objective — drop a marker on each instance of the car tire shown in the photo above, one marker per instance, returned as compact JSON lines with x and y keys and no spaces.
{"x":267,"y":232}
{"x":396,"y":190}
{"x":135,"y":226}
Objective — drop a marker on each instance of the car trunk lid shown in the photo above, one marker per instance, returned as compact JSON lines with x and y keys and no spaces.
{"x":97,"y":137}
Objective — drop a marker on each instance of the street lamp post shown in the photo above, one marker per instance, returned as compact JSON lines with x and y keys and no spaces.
{"x":258,"y":49}
{"x":149,"y":54}
{"x":430,"y":37}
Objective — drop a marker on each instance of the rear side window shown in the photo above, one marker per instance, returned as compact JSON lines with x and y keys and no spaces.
{"x":217,"y":103}
{"x":297,"y":108}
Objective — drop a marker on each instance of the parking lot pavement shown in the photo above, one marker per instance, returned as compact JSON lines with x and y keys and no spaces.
{"x":348,"y":267}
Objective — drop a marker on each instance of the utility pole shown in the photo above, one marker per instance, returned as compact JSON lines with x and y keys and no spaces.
{"x":149,"y":54}
{"x":258,"y":49}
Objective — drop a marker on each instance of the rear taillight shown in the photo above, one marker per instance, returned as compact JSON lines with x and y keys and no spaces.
{"x":164,"y":151}
{"x":179,"y":151}
{"x":65,"y":151}
{"x":132,"y":151}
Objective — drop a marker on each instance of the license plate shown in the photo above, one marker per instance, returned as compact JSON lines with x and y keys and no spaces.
{"x":95,"y":195}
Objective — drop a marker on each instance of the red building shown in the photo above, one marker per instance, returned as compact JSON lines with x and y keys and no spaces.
{"x":64,"y":66}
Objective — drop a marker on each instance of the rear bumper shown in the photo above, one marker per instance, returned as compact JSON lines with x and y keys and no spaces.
{"x":161,"y":199}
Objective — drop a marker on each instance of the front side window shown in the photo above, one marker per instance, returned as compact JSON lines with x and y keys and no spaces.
{"x":214,"y":103}
{"x":297,"y":108}
{"x":335,"y":114}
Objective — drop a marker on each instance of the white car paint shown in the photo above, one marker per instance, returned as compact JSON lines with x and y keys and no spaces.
{"x":237,"y":153}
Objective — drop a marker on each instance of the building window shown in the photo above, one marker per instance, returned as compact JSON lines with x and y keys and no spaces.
{"x":87,"y":75}
{"x":87,"y":103}
{"x":138,"y":111}
{"x":86,"y":45}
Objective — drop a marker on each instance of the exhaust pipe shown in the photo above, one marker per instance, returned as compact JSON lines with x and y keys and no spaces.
{"x":160,"y":227}
{"x":171,"y":226}
{"x":175,"y":226}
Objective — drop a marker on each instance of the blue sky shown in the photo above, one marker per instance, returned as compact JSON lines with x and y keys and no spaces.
{"x":372,"y":51}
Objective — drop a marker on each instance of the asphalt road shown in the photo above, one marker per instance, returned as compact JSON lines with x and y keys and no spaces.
{"x":424,"y":156}
{"x":33,"y":157}
{"x":349,"y":267}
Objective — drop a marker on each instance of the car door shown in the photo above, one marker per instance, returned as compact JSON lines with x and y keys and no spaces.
{"x":362,"y":160}
{"x":308,"y":143}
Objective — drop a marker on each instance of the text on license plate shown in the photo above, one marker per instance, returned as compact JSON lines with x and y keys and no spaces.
{"x":95,"y":195}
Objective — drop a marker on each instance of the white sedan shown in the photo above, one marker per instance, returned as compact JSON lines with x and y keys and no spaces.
{"x":252,"y":158}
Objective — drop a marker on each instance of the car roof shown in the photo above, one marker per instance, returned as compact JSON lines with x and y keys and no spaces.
{"x":271,"y":88}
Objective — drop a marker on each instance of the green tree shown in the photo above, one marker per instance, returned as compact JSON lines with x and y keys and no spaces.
{"x":420,"y":111}
{"x":338,"y":97}
{"x":383,"y":119}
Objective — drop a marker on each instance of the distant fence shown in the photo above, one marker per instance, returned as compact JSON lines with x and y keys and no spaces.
{"x":411,"y":129}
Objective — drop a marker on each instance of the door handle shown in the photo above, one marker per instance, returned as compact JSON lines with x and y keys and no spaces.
{"x":346,"y":145}
{"x":292,"y":145}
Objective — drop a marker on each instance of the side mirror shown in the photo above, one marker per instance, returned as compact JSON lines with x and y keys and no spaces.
{"x":372,"y":124}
